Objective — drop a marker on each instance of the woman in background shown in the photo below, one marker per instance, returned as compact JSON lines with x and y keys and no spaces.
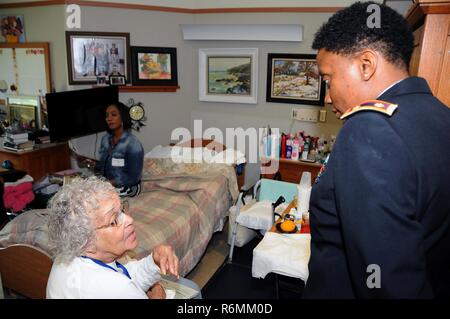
{"x":121,"y":155}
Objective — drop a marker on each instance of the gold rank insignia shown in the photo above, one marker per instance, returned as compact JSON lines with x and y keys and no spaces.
{"x":372,"y":105}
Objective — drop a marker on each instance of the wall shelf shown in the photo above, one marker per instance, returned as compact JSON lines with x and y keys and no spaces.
{"x":144,"y":88}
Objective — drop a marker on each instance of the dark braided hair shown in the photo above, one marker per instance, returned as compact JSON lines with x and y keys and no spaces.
{"x":347,"y":32}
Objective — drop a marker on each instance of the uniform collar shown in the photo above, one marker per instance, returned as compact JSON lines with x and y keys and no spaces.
{"x":409,"y":85}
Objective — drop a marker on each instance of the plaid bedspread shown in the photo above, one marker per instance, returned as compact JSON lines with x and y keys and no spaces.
{"x":182,"y":211}
{"x":182,"y":208}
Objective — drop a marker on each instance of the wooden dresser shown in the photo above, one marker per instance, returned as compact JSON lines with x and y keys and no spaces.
{"x":430,"y":21}
{"x":47,"y":158}
{"x":291,"y":171}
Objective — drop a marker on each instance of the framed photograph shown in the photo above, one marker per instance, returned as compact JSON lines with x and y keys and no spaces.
{"x":12,"y":29}
{"x":93,"y":54}
{"x":228,"y":75}
{"x":154,"y":66}
{"x":102,"y":80}
{"x":117,"y":80}
{"x":294,"y":78}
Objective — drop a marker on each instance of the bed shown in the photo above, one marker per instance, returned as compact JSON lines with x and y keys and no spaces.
{"x":181,"y":204}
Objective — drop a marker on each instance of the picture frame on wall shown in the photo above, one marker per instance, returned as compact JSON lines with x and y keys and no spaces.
{"x":117,"y":80}
{"x":294,"y":78}
{"x":12,"y":29}
{"x":154,"y":66}
{"x":94,"y":54}
{"x":228,"y":75}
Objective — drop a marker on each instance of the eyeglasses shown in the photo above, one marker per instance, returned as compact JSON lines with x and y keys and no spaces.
{"x":120,"y":216}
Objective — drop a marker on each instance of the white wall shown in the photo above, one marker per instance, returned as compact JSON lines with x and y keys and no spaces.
{"x":46,"y":24}
{"x":223,"y":115}
{"x":167,"y":111}
{"x":164,"y":111}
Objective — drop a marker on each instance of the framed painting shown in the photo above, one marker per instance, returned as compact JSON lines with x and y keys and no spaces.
{"x":154,"y":66}
{"x":228,"y":75}
{"x":12,"y":29}
{"x":294,"y":78}
{"x":94,"y":54}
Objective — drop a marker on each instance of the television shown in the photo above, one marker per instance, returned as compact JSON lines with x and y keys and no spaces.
{"x":78,"y":113}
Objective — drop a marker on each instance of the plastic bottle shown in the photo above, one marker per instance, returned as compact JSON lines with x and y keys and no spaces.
{"x":275,"y":145}
{"x":305,"y":150}
{"x":263,"y":145}
{"x":288,"y":146}
{"x":295,"y":149}
{"x":269,"y":142}
{"x":283,"y":145}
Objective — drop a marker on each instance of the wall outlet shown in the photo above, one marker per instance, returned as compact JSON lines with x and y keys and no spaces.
{"x":306,"y":115}
{"x":322,"y":115}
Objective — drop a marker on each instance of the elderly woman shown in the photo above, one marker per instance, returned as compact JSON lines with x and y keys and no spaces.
{"x":90,"y":230}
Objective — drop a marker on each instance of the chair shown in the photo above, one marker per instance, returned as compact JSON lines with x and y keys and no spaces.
{"x":264,"y":190}
{"x":25,"y":270}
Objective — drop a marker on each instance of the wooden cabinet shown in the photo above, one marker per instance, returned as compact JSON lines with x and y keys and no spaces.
{"x":291,"y":171}
{"x":430,"y":21}
{"x":48,"y":158}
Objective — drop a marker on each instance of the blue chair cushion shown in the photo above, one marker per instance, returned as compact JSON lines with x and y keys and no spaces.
{"x":272,"y":189}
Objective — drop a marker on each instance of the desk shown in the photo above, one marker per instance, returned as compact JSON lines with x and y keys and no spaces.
{"x":44,"y":159}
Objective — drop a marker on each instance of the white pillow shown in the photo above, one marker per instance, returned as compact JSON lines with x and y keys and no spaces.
{"x":229,"y":156}
{"x":181,"y":154}
{"x":257,"y":215}
{"x":159,"y":152}
{"x":178,"y":154}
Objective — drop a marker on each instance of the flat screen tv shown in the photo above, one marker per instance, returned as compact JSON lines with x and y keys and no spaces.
{"x":78,"y":113}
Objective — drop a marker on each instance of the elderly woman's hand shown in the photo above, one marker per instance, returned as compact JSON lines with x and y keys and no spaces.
{"x":167,"y":261}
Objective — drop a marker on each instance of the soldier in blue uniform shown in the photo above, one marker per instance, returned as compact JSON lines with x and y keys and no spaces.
{"x":380,"y":211}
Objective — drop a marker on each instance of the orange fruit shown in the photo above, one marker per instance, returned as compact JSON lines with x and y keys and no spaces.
{"x":287,"y":226}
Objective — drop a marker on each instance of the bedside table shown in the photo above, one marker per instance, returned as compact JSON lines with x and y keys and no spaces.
{"x":291,"y":170}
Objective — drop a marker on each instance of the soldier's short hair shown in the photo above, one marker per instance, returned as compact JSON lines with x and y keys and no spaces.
{"x":349,"y":31}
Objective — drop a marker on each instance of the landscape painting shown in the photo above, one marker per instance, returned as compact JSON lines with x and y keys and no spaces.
{"x":229,"y":75}
{"x":294,"y":78}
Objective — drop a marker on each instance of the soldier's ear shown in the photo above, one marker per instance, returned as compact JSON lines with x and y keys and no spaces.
{"x":368,"y":61}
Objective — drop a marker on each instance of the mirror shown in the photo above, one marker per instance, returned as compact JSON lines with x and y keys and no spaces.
{"x":25,"y":67}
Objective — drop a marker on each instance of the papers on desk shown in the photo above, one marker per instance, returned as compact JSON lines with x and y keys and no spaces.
{"x":284,"y":254}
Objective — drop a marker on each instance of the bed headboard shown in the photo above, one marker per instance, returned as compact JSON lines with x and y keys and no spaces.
{"x":25,"y":269}
{"x":201,"y":142}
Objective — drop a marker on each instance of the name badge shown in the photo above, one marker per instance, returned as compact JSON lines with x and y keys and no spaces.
{"x":118,"y":162}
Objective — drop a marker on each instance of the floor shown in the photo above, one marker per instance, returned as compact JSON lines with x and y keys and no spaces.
{"x":220,"y":279}
{"x":212,"y":260}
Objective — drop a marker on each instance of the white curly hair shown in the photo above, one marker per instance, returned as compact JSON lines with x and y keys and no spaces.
{"x":71,"y":216}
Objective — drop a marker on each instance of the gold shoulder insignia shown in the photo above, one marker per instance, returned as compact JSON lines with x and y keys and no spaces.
{"x":372,"y":105}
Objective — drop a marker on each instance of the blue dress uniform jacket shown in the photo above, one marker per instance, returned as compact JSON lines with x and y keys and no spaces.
{"x":384,"y":200}
{"x":124,"y":161}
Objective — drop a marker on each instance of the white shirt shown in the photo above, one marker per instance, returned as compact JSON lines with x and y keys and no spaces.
{"x":382,"y":92}
{"x":82,"y":278}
